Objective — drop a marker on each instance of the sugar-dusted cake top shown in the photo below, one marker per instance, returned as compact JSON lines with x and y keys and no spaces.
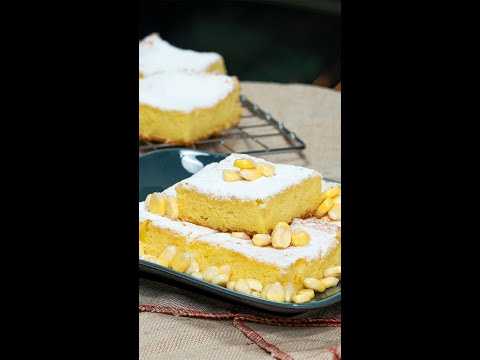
{"x":210,"y":181}
{"x":323,"y":238}
{"x":157,"y":55}
{"x":184,"y":91}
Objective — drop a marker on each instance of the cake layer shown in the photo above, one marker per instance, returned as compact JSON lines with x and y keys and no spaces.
{"x":156,"y":55}
{"x":266,"y":264}
{"x":183,"y":108}
{"x":249,"y":206}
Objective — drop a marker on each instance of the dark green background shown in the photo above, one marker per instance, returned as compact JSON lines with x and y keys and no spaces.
{"x":280,"y":41}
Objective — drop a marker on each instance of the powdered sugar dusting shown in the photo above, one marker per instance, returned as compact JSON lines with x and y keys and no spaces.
{"x":156,"y":55}
{"x":210,"y":181}
{"x":184,"y":92}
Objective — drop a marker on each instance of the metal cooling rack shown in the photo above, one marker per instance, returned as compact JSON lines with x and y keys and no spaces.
{"x":258,"y":131}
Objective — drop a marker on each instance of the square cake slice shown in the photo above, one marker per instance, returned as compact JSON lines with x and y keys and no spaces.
{"x":156,"y":55}
{"x":255,"y":206}
{"x":182,"y":108}
{"x":265,"y":264}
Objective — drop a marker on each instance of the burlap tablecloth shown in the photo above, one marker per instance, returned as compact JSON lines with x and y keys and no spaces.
{"x":203,"y":328}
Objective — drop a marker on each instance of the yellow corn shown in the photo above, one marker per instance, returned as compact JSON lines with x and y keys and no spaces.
{"x":265,"y":169}
{"x":281,"y":238}
{"x":290,"y":292}
{"x":330,"y":281}
{"x":158,"y":261}
{"x":242,"y":286}
{"x":308,"y":292}
{"x":300,"y":238}
{"x":335,"y":212}
{"x":262,"y":239}
{"x":255,"y":284}
{"x":314,"y":284}
{"x":330,"y":292}
{"x":334,"y":191}
{"x":337,"y":199}
{"x":301,"y":298}
{"x":244,"y":164}
{"x":140,"y":249}
{"x":263,"y":294}
{"x":181,"y":262}
{"x":324,"y":207}
{"x":221,"y":279}
{"x":241,"y":235}
{"x":281,"y":224}
{"x":256,"y":294}
{"x":147,"y":200}
{"x":276,"y":292}
{"x":192,"y":268}
{"x":231,"y":175}
{"x":157,"y":204}
{"x":225,"y":269}
{"x":250,"y":174}
{"x":172,"y":208}
{"x":231,"y":285}
{"x":197,"y":275}
{"x":332,"y":271}
{"x":169,"y":252}
{"x":210,"y":273}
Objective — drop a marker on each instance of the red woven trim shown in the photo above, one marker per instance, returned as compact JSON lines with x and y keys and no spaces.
{"x":260,"y":341}
{"x":322,"y":322}
{"x":334,"y":351}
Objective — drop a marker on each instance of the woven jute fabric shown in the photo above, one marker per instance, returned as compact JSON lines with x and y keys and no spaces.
{"x":179,"y":323}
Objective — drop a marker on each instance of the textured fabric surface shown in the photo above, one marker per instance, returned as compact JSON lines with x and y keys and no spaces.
{"x":179,"y":323}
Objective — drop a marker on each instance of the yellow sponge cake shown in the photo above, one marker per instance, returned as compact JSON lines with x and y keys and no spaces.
{"x":157,"y":55}
{"x":182,"y":108}
{"x":252,"y":207}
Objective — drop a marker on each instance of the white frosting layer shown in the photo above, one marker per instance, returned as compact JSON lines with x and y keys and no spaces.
{"x":210,"y":181}
{"x":157,"y":55}
{"x":184,"y":91}
{"x":322,"y":239}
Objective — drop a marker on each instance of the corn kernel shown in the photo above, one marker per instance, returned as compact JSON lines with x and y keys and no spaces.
{"x":250,"y":174}
{"x":158,"y":261}
{"x":181,"y":262}
{"x":308,"y":292}
{"x":324,"y":207}
{"x":231,"y":285}
{"x":334,"y":191}
{"x":332,"y":271}
{"x":337,"y":199}
{"x":157,"y":204}
{"x":244,"y":164}
{"x":263,"y":293}
{"x":241,"y":235}
{"x":301,"y":298}
{"x":314,"y":284}
{"x":262,"y":239}
{"x":210,"y":273}
{"x":265,"y":169}
{"x":221,"y":279}
{"x":225,"y":269}
{"x":192,"y":268}
{"x":330,"y":282}
{"x":241,"y":286}
{"x":256,"y":294}
{"x":147,"y":200}
{"x":255,"y":284}
{"x":141,"y":251}
{"x":300,"y":238}
{"x":330,"y":292}
{"x":335,"y":212}
{"x":290,"y":292}
{"x":276,"y":292}
{"x":231,"y":175}
{"x":281,"y":238}
{"x":169,"y":252}
{"x":172,"y":208}
{"x":197,"y":275}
